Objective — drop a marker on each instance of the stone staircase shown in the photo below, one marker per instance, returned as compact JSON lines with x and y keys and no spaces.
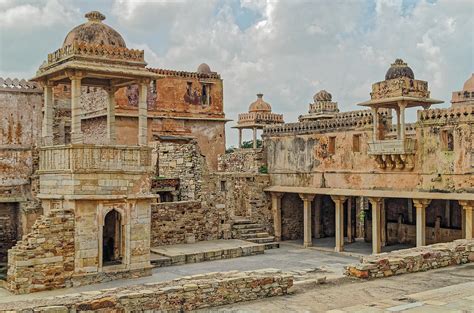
{"x":245,"y":229}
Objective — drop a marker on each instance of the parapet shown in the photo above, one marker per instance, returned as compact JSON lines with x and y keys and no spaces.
{"x":17,"y":85}
{"x":184,"y":74}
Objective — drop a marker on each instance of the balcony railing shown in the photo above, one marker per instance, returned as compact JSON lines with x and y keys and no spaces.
{"x":393,"y":147}
{"x":77,"y":158}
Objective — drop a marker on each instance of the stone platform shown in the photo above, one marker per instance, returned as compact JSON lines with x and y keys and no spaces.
{"x":203,"y":251}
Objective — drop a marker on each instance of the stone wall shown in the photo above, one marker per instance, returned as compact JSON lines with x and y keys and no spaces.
{"x":183,"y":161}
{"x":43,"y":259}
{"x":242,"y":161}
{"x":179,"y":295}
{"x":183,"y":222}
{"x":413,"y":260}
{"x":291,"y":217}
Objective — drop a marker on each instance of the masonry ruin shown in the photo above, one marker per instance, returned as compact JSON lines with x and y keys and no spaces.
{"x":103,"y":159}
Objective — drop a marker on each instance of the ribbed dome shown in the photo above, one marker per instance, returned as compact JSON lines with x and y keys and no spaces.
{"x":399,"y":69}
{"x":469,"y":84}
{"x":322,"y":95}
{"x":204,"y":69}
{"x":95,"y":32}
{"x":259,"y":105}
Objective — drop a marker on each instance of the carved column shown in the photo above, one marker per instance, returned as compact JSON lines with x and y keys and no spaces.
{"x":468,"y":208}
{"x":307,"y":241}
{"x":142,"y":114}
{"x":410,"y":211}
{"x":383,"y":223}
{"x":255,"y":138}
{"x":240,"y":138}
{"x":339,"y":206}
{"x":375,"y":122}
{"x":76,"y":110}
{"x":376,"y":208}
{"x":447,"y":213}
{"x":111,"y":134}
{"x":350,"y":236}
{"x":420,"y":205}
{"x":317,"y":218}
{"x":276,"y":209}
{"x":47,"y":127}
{"x":397,"y":110}
{"x":402,"y":105}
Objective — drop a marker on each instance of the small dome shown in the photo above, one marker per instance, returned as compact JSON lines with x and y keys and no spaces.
{"x":322,"y":95}
{"x":204,"y":69}
{"x":95,"y":32}
{"x":469,"y":84}
{"x":259,"y":105}
{"x":399,"y":69}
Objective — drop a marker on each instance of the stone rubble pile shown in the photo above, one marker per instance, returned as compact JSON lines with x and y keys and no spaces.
{"x":413,"y":260}
{"x":182,"y":294}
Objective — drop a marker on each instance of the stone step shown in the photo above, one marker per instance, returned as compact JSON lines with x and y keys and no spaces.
{"x":244,"y":226}
{"x":250,"y":230}
{"x":255,"y":235}
{"x":262,"y":239}
{"x":271,"y":245}
{"x":157,"y":260}
{"x":239,"y":221}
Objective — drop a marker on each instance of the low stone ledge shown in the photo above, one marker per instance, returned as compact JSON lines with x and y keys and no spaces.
{"x":182,"y":294}
{"x":413,"y":260}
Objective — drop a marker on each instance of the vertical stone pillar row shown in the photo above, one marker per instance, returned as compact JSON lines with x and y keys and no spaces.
{"x":402,"y":105}
{"x":339,"y":205}
{"x":307,"y":199}
{"x":47,"y":127}
{"x":111,"y":133}
{"x":468,"y":208}
{"x":420,"y":205}
{"x":397,"y":110}
{"x":276,"y":209}
{"x":376,"y":220}
{"x":240,"y":138}
{"x":375,"y":122}
{"x":142,"y":114}
{"x":255,"y":138}
{"x":76,"y":110}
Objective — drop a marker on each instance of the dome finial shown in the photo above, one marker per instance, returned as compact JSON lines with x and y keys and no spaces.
{"x":260,"y":95}
{"x":399,"y":69}
{"x":95,"y":16}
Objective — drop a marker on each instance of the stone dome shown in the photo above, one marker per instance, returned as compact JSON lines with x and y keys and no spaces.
{"x":204,"y":69}
{"x":95,"y":32}
{"x":469,"y":84}
{"x":399,"y":69}
{"x":259,"y":105}
{"x":322,"y":95}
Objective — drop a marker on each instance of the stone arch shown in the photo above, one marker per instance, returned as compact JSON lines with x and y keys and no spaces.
{"x":113,"y":243}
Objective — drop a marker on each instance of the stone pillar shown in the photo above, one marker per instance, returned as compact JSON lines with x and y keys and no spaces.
{"x":447,"y":213}
{"x":350,"y":236}
{"x":375,"y":122}
{"x":383,"y":224}
{"x":410,"y":211}
{"x":111,"y":134}
{"x":47,"y":129}
{"x":76,"y":110}
{"x":339,"y":206}
{"x":402,"y":105}
{"x":240,"y":138}
{"x":276,"y":209}
{"x":360,"y":222}
{"x":307,"y":241}
{"x":420,"y":205}
{"x":376,"y":208}
{"x":317,"y":217}
{"x":142,"y":115}
{"x":468,"y":208}
{"x":255,"y":138}
{"x":397,"y":110}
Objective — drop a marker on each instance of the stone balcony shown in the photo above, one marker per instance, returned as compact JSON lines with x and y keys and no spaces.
{"x":395,"y":153}
{"x":81,"y":170}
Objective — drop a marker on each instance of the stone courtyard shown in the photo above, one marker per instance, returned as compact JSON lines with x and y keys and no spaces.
{"x":118,"y":192}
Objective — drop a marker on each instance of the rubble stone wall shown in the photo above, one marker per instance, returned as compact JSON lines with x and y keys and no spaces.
{"x":44,"y":259}
{"x":414,"y":260}
{"x":291,"y":217}
{"x":182,"y":222}
{"x":241,"y":161}
{"x":179,"y":295}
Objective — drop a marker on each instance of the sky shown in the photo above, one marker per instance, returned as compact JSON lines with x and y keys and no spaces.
{"x":288,"y":50}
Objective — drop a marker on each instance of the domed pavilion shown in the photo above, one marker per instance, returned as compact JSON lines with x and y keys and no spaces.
{"x":322,"y":108}
{"x":466,"y":95}
{"x":259,"y":115}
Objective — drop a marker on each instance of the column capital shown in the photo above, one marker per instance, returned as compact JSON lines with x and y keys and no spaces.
{"x":278,"y":195}
{"x":47,"y":83}
{"x":306,"y":196}
{"x":402,"y":104}
{"x":467,"y":204}
{"x":338,"y":198}
{"x":74,"y":75}
{"x":144,"y":81}
{"x":375,"y":201}
{"x":421,"y":203}
{"x":111,"y":89}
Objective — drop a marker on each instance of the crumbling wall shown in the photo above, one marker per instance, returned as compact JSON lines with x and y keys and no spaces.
{"x":242,"y":161}
{"x":183,"y":222}
{"x":94,"y":130}
{"x":413,"y":260}
{"x":43,"y":259}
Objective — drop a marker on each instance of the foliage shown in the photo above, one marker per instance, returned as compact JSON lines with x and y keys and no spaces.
{"x":263,"y":169}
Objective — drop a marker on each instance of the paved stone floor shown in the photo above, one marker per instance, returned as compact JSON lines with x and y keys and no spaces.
{"x":288,"y":257}
{"x":201,"y":247}
{"x":449,"y":289}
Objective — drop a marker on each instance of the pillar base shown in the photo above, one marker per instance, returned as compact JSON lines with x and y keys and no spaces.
{"x":339,"y":249}
{"x":307,"y":244}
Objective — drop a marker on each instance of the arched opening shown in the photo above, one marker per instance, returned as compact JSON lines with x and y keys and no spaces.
{"x":112,"y":243}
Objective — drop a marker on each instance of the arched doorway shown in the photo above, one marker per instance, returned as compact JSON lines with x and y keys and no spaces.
{"x":112,"y":243}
